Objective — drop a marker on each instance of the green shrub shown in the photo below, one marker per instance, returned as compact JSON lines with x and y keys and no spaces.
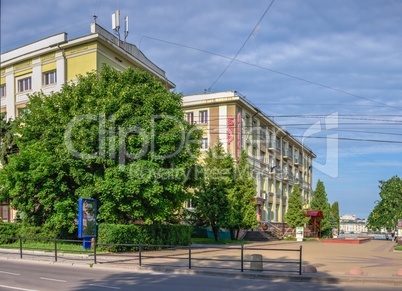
{"x":8,"y":232}
{"x":112,"y":234}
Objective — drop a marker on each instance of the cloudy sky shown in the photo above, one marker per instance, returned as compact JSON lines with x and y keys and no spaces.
{"x":330,"y":72}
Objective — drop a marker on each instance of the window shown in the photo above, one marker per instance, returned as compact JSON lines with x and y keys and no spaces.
{"x":204,"y":143}
{"x":262,"y":157}
{"x":4,"y":212}
{"x":189,"y":204}
{"x":49,"y":78}
{"x":21,"y":111}
{"x":204,"y":116}
{"x":24,"y":84}
{"x":3,"y":90}
{"x":190,"y":117}
{"x":248,"y":122}
{"x":263,"y":135}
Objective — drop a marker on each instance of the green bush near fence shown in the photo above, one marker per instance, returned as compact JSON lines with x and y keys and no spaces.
{"x":113,"y":234}
{"x":8,"y":231}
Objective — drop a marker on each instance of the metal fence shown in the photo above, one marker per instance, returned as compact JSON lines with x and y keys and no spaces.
{"x":275,"y":258}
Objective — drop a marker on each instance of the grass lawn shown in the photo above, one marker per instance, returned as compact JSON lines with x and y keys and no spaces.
{"x":76,"y":247}
{"x":398,"y":248}
{"x":48,"y":246}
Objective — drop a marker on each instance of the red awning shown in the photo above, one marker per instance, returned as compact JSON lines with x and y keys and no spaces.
{"x":314,"y":213}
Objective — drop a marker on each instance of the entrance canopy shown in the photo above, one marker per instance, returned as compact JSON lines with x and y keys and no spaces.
{"x":315,"y":221}
{"x":314,"y":213}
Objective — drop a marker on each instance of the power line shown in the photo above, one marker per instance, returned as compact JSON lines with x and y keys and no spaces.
{"x":276,"y":72}
{"x":244,"y":43}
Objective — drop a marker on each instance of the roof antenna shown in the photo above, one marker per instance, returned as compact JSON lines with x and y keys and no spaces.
{"x":116,"y":23}
{"x":125,"y":28}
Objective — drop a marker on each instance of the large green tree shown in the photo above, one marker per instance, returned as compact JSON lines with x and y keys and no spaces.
{"x":319,"y":201}
{"x":118,"y":137}
{"x":242,"y":198}
{"x":388,"y":209}
{"x":210,"y":200}
{"x":295,"y":216}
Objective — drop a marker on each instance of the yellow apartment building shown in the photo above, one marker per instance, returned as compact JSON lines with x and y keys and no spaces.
{"x":279,"y":160}
{"x":49,"y":63}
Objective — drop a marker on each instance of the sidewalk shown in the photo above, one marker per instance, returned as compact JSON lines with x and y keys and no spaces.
{"x":334,"y":262}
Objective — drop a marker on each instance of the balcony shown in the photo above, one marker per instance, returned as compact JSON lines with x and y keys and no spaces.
{"x":271,"y":146}
{"x":287,"y":154}
{"x":297,"y":162}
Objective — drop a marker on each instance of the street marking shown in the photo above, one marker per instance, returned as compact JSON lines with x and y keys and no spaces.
{"x":104,"y":286}
{"x":8,"y":273}
{"x":55,"y":280}
{"x":16,"y":288}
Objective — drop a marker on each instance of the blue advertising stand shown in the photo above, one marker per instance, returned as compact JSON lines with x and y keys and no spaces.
{"x":87,"y":226}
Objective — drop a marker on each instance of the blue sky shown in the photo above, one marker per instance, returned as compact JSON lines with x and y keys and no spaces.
{"x":330,"y":72}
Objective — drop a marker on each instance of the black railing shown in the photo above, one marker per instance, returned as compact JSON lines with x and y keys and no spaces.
{"x":48,"y":247}
{"x":234,"y":257}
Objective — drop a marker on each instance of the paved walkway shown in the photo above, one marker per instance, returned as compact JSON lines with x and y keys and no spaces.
{"x":334,"y":262}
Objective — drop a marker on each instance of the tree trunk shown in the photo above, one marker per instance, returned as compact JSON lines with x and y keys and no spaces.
{"x":232,"y":234}
{"x":215,"y":230}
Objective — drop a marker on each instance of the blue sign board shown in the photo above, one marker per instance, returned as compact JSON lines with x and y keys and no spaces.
{"x":87,"y":212}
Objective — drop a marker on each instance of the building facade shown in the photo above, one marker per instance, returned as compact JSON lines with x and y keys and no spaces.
{"x":50,"y":63}
{"x":279,"y":160}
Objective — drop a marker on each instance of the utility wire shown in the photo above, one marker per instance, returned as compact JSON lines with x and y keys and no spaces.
{"x":276,"y":72}
{"x":244,"y":44}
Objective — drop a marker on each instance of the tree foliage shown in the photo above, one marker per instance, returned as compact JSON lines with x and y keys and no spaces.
{"x":118,"y":137}
{"x":242,"y":197}
{"x":335,"y":215}
{"x":7,"y":143}
{"x":211,"y":200}
{"x":319,"y":201}
{"x":295,"y":216}
{"x":388,"y":209}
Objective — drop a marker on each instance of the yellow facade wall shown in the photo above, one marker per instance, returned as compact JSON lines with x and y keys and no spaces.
{"x":214,"y":125}
{"x":103,"y":60}
{"x":80,"y":65}
{"x":49,"y":67}
{"x":24,"y":72}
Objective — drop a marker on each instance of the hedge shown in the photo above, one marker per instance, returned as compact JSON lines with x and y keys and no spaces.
{"x":156,"y":234}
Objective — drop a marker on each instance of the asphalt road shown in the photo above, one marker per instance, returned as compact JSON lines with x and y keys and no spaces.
{"x":30,"y":276}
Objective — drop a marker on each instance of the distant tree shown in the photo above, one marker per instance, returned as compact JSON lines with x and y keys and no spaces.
{"x":210,"y":200}
{"x":335,"y":214}
{"x":242,"y":198}
{"x":295,"y":216}
{"x":319,"y":201}
{"x":388,"y":209}
{"x":118,"y":137}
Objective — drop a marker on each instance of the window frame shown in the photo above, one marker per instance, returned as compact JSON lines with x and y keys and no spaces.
{"x":190,"y":117}
{"x":3,"y":90}
{"x":203,"y":116}
{"x":22,"y":81}
{"x":47,"y":78}
{"x":204,"y":143}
